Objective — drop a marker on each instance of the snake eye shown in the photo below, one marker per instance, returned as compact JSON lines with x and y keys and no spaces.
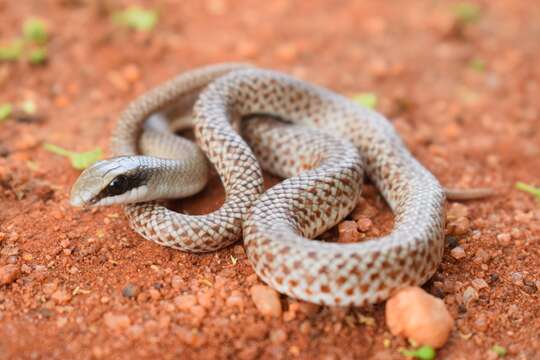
{"x":118,"y":185}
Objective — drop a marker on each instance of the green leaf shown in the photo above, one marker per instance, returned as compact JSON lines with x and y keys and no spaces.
{"x":423,"y":353}
{"x":80,"y":160}
{"x":37,"y":56}
{"x":467,"y":13}
{"x":11,"y":51}
{"x":528,"y":189}
{"x":136,"y":18}
{"x":366,"y":99}
{"x":35,"y":30}
{"x":5,"y":111}
{"x":499,"y":350}
{"x":477,"y":65}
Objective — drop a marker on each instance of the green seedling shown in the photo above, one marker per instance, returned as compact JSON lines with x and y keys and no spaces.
{"x":467,"y":13}
{"x":423,"y":353}
{"x":477,"y":65}
{"x":11,"y":51}
{"x":136,"y":18}
{"x":37,"y":56}
{"x":499,"y":350}
{"x":528,"y":189}
{"x":35,"y":30}
{"x":79,"y":161}
{"x":5,"y":111}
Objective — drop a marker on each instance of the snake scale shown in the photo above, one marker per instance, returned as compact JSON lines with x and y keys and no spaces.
{"x":331,"y":142}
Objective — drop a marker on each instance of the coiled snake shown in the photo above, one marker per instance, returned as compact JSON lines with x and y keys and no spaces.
{"x":276,"y":225}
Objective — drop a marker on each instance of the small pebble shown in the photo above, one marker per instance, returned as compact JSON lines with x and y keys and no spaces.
{"x":364,"y":224}
{"x":185,"y":302}
{"x":419,"y":316}
{"x":469,"y":295}
{"x":278,"y":336}
{"x":266,"y":300}
{"x":517,"y":278}
{"x":9,"y":250}
{"x":198,"y":312}
{"x":452,"y":241}
{"x":135,"y":331}
{"x":256,"y":331}
{"x":287,"y":52}
{"x":457,"y":211}
{"x":236,"y":299}
{"x":9,"y":273}
{"x":154,"y":294}
{"x":176,"y":282}
{"x":205,"y":298}
{"x":348,"y":232}
{"x":461,"y":226}
{"x":458,"y":253}
{"x":131,"y":73}
{"x":479,"y":284}
{"x":363,"y":209}
{"x":116,"y":321}
{"x":516,"y":233}
{"x":482,"y":257}
{"x":61,"y":296}
{"x":481,"y":323}
{"x":530,"y":286}
{"x":504,"y":239}
{"x":61,"y":322}
{"x":130,"y":291}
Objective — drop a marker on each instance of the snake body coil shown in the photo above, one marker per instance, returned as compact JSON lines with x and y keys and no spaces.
{"x":276,"y":225}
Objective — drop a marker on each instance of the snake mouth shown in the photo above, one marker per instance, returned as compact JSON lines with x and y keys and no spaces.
{"x":82,"y":200}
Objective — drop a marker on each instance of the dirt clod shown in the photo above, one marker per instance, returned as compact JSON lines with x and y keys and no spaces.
{"x":9,"y":273}
{"x":415,"y":314}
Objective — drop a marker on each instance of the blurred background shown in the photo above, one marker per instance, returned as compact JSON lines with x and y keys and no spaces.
{"x":459,"y":80}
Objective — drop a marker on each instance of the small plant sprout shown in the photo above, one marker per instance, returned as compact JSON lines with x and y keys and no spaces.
{"x":79,"y":160}
{"x":528,"y":189}
{"x":366,"y":99}
{"x":35,"y":31}
{"x":137,"y":18}
{"x":37,"y":56}
{"x":12,"y":50}
{"x":467,"y":13}
{"x":477,"y":64}
{"x":5,"y":111}
{"x":423,"y":353}
{"x":31,"y":45}
{"x":499,"y":350}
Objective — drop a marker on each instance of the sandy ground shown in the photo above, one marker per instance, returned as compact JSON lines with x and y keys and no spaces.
{"x":86,"y":286}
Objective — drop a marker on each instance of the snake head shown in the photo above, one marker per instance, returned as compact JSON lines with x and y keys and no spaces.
{"x":119,"y":180}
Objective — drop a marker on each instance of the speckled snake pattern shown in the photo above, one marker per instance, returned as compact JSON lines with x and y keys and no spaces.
{"x":277,"y":225}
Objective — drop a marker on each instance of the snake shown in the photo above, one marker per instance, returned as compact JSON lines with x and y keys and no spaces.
{"x":244,"y":119}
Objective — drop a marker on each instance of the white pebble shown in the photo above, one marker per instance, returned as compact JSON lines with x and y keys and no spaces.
{"x":458,"y":252}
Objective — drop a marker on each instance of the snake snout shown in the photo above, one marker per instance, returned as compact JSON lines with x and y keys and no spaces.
{"x":80,"y":199}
